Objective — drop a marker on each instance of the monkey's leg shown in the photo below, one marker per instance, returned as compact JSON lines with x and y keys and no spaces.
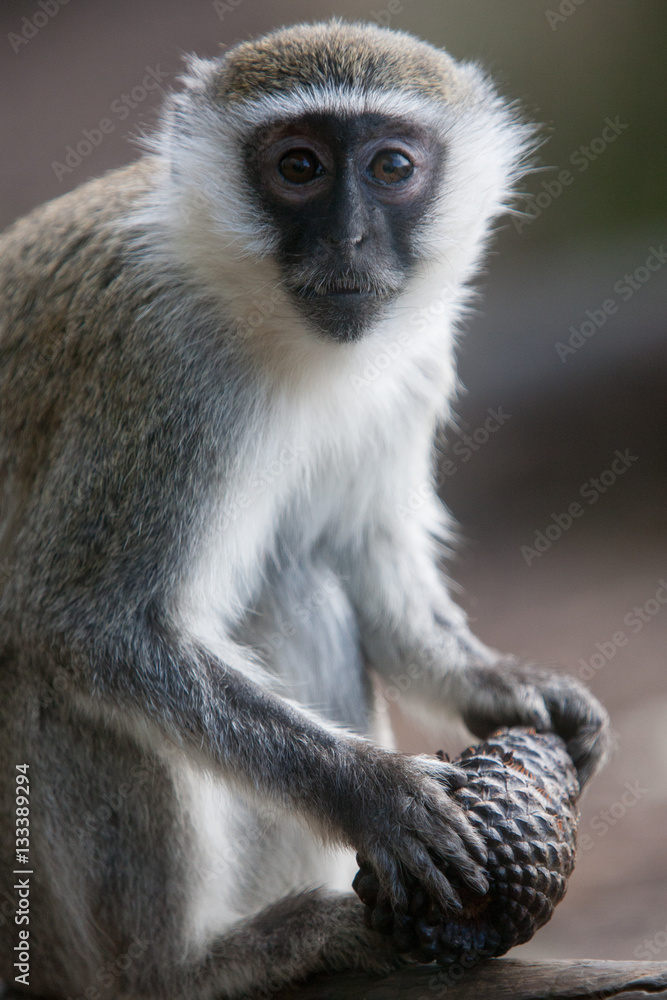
{"x":309,"y":932}
{"x":314,"y":931}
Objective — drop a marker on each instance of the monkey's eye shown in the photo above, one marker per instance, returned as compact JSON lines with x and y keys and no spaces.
{"x":300,"y":166}
{"x":390,"y":167}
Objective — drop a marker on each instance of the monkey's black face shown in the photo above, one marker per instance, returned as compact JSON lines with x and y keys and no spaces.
{"x":348,"y":197}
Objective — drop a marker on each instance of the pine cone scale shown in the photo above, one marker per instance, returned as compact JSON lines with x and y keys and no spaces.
{"x":521,"y":796}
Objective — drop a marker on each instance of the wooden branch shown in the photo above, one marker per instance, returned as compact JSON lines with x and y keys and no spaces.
{"x":498,"y":979}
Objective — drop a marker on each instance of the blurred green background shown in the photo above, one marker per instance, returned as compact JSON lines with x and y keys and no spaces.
{"x":574,"y":67}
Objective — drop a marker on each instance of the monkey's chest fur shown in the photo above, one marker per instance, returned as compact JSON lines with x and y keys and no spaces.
{"x":249,"y":854}
{"x":317,"y":463}
{"x":288,"y":604}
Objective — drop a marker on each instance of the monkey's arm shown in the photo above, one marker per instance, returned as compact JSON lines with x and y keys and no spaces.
{"x":99,"y":613}
{"x":420,"y":643}
{"x":392,"y":808}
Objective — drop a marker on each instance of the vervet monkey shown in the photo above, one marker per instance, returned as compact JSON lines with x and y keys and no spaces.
{"x":214,"y":407}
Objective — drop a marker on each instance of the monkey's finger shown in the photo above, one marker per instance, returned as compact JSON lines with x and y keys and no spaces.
{"x":589,"y":750}
{"x":421,"y":866}
{"x":451,"y":776}
{"x":451,"y":840}
{"x":390,"y":876}
{"x":504,"y":699}
{"x":470,"y":873}
{"x":454,"y":821}
{"x":572,"y":706}
{"x":578,"y":718}
{"x":454,"y":857}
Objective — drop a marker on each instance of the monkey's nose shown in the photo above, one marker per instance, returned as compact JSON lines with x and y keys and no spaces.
{"x":346,"y":241}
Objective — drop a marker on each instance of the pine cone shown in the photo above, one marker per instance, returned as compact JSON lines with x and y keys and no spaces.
{"x":521,"y":797}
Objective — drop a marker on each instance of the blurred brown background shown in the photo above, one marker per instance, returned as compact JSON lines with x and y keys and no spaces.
{"x":574,"y":273}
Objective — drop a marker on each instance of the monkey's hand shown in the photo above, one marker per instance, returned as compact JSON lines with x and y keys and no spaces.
{"x":512,"y":693}
{"x":405,"y":822}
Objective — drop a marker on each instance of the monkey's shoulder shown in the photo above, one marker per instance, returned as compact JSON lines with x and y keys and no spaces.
{"x":85,"y":312}
{"x":58,"y":240}
{"x":58,"y":264}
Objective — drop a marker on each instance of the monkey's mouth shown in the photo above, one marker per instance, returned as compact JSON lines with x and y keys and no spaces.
{"x":344,"y":289}
{"x":346,"y":295}
{"x":342,"y":306}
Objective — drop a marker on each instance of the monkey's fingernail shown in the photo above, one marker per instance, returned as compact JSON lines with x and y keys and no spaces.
{"x":477,"y":856}
{"x":454,"y":778}
{"x":478,"y":853}
{"x":478,"y":883}
{"x":457,"y":779}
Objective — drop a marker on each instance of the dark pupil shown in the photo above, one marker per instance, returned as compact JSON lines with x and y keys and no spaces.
{"x":390,"y":167}
{"x":300,"y":166}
